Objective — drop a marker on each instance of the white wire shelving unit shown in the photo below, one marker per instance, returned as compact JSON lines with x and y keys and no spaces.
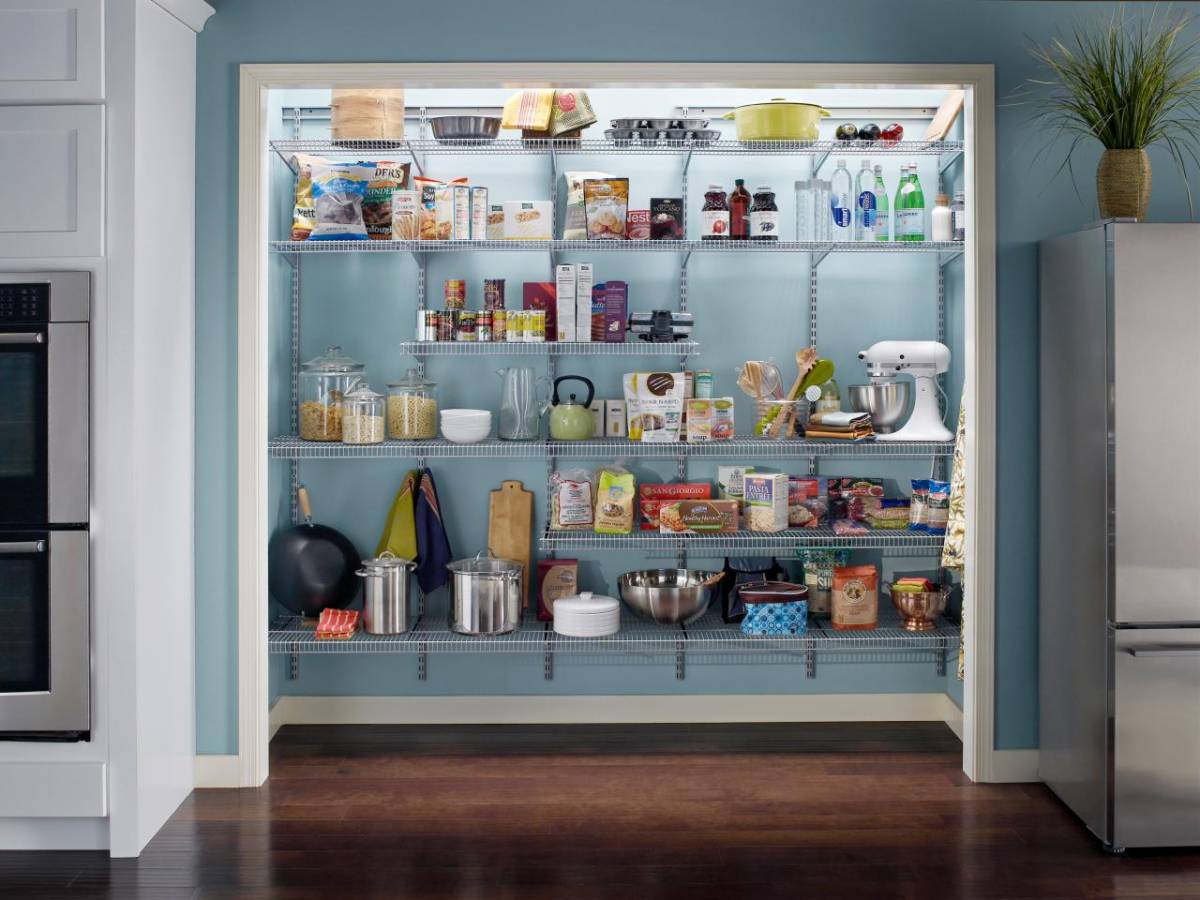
{"x":550,"y":348}
{"x":708,"y":640}
{"x":292,"y":447}
{"x":900,"y":541}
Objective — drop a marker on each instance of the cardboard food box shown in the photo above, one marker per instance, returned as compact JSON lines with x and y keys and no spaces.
{"x":495,"y":222}
{"x":698,"y":516}
{"x":766,"y":499}
{"x":584,"y":281}
{"x":556,"y":578}
{"x":652,"y":497}
{"x":527,"y":220}
{"x":541,"y":295}
{"x":614,"y":416}
{"x":479,"y":213}
{"x":564,"y":293}
{"x":616,"y":310}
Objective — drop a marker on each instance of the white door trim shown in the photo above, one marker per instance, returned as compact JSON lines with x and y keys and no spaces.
{"x":980,"y":257}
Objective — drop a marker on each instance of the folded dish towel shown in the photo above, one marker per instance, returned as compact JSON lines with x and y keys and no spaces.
{"x":841,"y":419}
{"x":337,"y":624}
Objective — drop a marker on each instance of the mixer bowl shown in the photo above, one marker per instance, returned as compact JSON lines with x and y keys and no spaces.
{"x":886,"y":402}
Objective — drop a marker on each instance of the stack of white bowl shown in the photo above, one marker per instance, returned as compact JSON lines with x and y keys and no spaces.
{"x":588,"y":615}
{"x":466,"y":426}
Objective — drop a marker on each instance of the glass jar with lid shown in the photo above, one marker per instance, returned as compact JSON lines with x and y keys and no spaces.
{"x":324,"y":382}
{"x":362,"y":416}
{"x":412,"y":408}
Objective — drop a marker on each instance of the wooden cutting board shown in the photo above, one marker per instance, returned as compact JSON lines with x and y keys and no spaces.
{"x":510,"y":528}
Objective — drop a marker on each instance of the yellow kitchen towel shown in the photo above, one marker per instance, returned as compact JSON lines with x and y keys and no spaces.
{"x":954,"y":550}
{"x":528,"y":109}
{"x":400,"y":532}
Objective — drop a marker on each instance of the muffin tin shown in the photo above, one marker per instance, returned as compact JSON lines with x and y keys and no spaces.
{"x":649,"y":137}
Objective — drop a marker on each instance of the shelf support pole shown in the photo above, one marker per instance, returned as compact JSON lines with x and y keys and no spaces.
{"x":293,"y":665}
{"x":422,"y":661}
{"x":548,"y":652}
{"x":810,"y":657}
{"x":940,"y":661}
{"x":681,"y":658}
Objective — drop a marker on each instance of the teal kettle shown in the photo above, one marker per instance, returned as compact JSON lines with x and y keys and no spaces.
{"x":571,"y":421}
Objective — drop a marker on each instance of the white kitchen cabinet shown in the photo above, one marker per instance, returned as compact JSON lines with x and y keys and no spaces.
{"x":51,"y":51}
{"x":51,"y":193}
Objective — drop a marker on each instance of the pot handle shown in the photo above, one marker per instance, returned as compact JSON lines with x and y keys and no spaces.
{"x":591,"y":388}
{"x":823,"y":112}
{"x":730,"y":115}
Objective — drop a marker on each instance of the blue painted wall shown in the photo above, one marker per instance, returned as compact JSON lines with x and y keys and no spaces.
{"x":1031,"y":206}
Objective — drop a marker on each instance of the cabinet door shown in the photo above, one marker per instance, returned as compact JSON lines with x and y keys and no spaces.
{"x":50,"y":51}
{"x":51,"y":181}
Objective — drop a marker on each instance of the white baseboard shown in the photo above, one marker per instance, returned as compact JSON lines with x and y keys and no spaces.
{"x":614,"y":709}
{"x":54,"y":790}
{"x":53,"y":834}
{"x":1013,"y":766}
{"x":954,"y":718}
{"x":214,"y":771}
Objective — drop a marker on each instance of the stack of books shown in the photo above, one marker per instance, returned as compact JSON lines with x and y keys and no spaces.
{"x":840,"y":426}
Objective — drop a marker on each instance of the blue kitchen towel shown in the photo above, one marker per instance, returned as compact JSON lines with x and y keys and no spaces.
{"x":433,"y":546}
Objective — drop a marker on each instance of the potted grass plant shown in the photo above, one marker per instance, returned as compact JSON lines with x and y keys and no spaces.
{"x":1129,"y":82}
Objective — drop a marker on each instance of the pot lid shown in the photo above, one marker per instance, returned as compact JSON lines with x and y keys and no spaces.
{"x":484,"y":565}
{"x":586,"y":604}
{"x":387,"y":560}
{"x":781,"y":101}
{"x":412,"y":380}
{"x":333,"y":362}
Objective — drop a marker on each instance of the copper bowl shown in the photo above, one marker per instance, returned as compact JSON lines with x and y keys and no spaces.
{"x":919,"y":610}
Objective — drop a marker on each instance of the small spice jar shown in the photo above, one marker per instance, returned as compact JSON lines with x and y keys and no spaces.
{"x":324,"y":382}
{"x":362,"y":416}
{"x":412,"y":408}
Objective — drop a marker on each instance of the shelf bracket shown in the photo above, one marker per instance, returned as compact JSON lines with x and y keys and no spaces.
{"x":415,"y":158}
{"x":818,"y":162}
{"x":687,"y":161}
{"x":680,"y":659}
{"x":947,"y":257}
{"x":293,"y":665}
{"x":818,"y":256}
{"x":548,"y":654}
{"x":422,"y":661}
{"x":946,"y":159}
{"x":810,"y":657}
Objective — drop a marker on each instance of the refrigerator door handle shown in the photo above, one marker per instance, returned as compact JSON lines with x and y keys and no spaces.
{"x":1164,"y":650}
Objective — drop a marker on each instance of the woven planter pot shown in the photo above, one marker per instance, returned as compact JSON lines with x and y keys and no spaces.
{"x":1123,"y":184}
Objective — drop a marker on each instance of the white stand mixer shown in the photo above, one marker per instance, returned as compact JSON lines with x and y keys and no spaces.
{"x":924,"y":361}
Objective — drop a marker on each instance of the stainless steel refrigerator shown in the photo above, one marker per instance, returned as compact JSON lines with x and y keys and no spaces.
{"x":1120,"y":530}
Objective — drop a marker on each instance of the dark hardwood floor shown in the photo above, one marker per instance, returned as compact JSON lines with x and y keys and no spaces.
{"x":574,"y":813}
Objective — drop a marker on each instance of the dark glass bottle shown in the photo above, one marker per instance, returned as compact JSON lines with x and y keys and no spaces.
{"x":764,"y":215}
{"x":714,"y":217}
{"x":739,"y":211}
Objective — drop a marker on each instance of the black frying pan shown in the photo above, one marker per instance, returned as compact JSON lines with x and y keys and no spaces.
{"x":311,"y":567}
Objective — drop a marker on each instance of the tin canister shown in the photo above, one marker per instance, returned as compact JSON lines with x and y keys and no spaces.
{"x":454,"y":292}
{"x":515,"y":327}
{"x":430,"y":332}
{"x":445,"y":325}
{"x":421,"y":325}
{"x":466,"y":325}
{"x":483,"y":326}
{"x":499,"y":325}
{"x":493,"y":293}
{"x":535,"y":330}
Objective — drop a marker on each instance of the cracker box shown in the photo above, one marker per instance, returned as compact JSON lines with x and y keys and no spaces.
{"x":527,"y":220}
{"x":652,"y":498}
{"x":698,"y":516}
{"x":564,"y":292}
{"x":584,"y":280}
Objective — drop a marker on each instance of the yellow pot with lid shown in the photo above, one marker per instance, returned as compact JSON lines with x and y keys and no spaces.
{"x":778,"y":120}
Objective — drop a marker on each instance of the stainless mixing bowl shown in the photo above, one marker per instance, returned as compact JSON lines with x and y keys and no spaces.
{"x":886,"y":403}
{"x":668,"y":596}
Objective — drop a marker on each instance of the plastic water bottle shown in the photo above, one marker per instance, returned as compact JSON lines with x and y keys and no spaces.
{"x":882,"y":220}
{"x":841,"y":203}
{"x":865,"y":207}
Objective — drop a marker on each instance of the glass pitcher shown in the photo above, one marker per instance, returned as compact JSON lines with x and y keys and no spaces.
{"x":524,"y":398}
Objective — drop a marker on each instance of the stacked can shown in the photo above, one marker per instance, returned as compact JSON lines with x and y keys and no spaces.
{"x":499,"y":325}
{"x":493,"y":294}
{"x":483,"y":326}
{"x":454,"y":292}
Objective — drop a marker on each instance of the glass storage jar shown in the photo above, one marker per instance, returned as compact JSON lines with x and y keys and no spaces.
{"x":362,"y":416}
{"x":412,"y":408}
{"x":324,"y":382}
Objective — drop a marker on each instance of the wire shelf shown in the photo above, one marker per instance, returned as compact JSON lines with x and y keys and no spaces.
{"x":292,"y":447}
{"x":743,"y":541}
{"x":708,"y":636}
{"x":946,"y":248}
{"x":542,"y":147}
{"x":583,"y":348}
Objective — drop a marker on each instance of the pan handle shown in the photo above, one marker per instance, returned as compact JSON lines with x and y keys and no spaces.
{"x":305,"y":504}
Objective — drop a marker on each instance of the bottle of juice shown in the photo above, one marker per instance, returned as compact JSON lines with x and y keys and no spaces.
{"x":714,"y":216}
{"x":764,"y":215}
{"x":739,"y":211}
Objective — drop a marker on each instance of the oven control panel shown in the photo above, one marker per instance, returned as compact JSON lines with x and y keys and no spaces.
{"x":22,"y":303}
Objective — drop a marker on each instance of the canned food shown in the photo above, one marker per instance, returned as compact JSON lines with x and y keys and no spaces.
{"x":466,"y":325}
{"x":499,"y":325}
{"x":493,"y":293}
{"x":483,"y":326}
{"x":535,"y":329}
{"x":421,"y":325}
{"x":430,"y":332}
{"x":445,"y":326}
{"x":454,"y":293}
{"x":515,"y":328}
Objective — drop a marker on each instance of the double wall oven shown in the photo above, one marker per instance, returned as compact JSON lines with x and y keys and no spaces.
{"x":45,"y":647}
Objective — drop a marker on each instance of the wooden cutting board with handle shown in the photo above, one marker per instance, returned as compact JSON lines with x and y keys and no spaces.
{"x":510,"y":528}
